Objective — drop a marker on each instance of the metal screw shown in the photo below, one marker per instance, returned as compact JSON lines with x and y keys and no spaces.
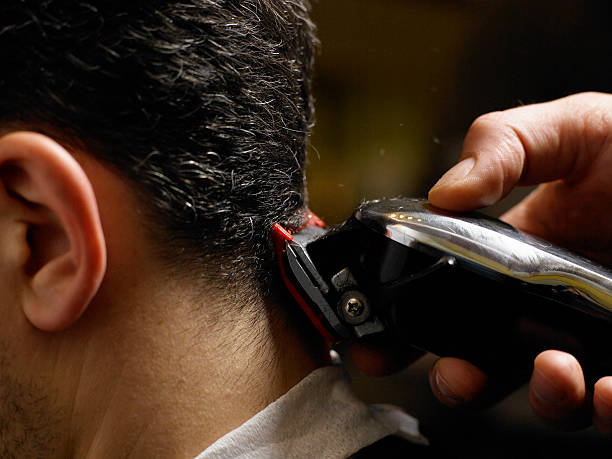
{"x":353,"y":307}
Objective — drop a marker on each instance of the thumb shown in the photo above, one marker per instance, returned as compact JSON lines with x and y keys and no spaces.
{"x":491,"y":164}
{"x":526,"y":145}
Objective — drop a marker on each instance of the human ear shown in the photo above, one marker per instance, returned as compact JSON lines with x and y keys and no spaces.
{"x":56,"y":254}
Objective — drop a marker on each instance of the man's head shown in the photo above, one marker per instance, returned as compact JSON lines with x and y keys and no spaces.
{"x":159,"y":138}
{"x":203,"y":104}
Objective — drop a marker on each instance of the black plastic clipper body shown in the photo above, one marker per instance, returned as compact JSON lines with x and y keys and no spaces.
{"x":458,"y":300}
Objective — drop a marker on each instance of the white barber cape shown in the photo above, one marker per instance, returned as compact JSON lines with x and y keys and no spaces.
{"x":320,"y":417}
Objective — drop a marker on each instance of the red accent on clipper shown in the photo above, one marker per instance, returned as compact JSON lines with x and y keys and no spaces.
{"x":280,"y":238}
{"x":311,"y":219}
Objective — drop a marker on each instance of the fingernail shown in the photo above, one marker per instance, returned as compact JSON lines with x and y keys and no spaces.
{"x":456,"y":174}
{"x":442,"y":390}
{"x":545,"y":390}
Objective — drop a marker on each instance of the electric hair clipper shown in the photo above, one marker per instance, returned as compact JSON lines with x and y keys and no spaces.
{"x":462,"y":285}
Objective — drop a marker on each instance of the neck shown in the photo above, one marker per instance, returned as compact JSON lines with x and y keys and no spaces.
{"x":171,"y":388}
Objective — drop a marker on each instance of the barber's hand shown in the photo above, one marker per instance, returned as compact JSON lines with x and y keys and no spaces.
{"x":566,"y":146}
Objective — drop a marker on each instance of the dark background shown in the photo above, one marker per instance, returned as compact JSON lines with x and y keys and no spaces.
{"x":397,"y":84}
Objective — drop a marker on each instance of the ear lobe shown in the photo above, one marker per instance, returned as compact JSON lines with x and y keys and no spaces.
{"x":65,"y":244}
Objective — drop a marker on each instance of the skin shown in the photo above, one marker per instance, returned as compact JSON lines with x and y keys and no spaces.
{"x":103,"y":352}
{"x":565,"y":147}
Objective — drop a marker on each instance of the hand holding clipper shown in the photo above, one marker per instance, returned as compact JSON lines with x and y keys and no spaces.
{"x":475,"y":314}
{"x":561,"y":145}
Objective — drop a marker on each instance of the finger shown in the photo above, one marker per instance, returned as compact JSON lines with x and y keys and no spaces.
{"x":602,"y":405}
{"x":557,"y":389}
{"x":526,"y":145}
{"x":456,"y":382}
{"x":540,"y":213}
{"x":566,"y":213}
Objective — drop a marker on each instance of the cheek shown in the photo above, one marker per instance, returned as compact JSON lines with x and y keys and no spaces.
{"x":29,"y":418}
{"x":25,"y":353}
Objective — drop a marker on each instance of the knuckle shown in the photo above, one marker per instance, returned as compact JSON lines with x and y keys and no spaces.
{"x":505,"y":145}
{"x":489,"y":120}
{"x":589,"y":133}
{"x":597,"y":125}
{"x":587,"y":96}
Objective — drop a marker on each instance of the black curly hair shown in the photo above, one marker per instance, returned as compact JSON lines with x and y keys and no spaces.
{"x":204,"y":105}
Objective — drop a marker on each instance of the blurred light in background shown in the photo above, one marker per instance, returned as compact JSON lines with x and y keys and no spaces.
{"x":397,"y":83}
